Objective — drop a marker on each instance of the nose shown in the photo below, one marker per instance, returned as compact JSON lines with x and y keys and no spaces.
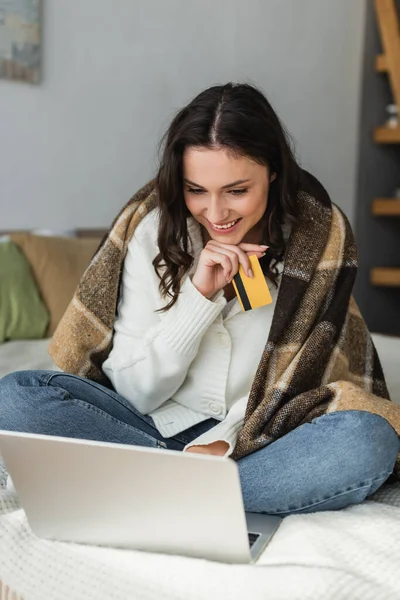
{"x":217,"y":211}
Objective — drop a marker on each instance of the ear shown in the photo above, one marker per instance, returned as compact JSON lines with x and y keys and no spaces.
{"x":273,"y":177}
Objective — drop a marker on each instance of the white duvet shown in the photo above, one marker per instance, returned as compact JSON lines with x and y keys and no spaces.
{"x":352,"y":554}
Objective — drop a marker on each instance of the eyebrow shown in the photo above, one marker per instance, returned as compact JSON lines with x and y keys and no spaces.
{"x":224,"y":187}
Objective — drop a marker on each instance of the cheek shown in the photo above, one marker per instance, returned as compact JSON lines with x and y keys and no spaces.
{"x":254,"y":207}
{"x":195,"y":206}
{"x":189,"y":204}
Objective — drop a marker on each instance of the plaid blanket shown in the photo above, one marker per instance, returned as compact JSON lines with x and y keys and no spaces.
{"x":319,"y":356}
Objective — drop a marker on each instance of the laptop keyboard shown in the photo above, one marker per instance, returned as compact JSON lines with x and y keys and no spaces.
{"x":253,"y":537}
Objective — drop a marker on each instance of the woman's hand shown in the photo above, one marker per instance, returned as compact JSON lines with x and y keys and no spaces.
{"x":218,"y":448}
{"x":219,"y":263}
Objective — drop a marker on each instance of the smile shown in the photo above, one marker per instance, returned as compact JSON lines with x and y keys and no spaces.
{"x":226,"y":227}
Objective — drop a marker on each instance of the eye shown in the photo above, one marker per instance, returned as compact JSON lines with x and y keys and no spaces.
{"x":239,"y":192}
{"x":195,"y":191}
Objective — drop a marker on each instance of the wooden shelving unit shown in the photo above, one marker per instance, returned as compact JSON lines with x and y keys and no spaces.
{"x":387,"y":135}
{"x":389,"y":63}
{"x":381,"y":64}
{"x":386,"y":207}
{"x":385,"y":276}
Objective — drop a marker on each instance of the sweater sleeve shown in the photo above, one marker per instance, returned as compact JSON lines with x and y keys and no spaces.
{"x":227,"y":430}
{"x":152,"y":351}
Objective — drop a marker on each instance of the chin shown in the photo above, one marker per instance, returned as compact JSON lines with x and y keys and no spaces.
{"x":232,"y":239}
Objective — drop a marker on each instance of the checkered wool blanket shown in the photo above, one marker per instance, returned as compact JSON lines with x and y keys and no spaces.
{"x":319,"y":356}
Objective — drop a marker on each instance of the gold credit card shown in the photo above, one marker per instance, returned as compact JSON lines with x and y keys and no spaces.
{"x":252,"y":292}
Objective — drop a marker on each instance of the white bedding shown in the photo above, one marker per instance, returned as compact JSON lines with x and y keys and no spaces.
{"x":24,"y":355}
{"x":352,"y":554}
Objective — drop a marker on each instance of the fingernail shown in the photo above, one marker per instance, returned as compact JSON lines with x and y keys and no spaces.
{"x":264,"y":246}
{"x":263,"y":254}
{"x":250,"y":274}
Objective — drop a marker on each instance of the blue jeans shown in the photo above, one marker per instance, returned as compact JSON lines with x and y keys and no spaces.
{"x":337,"y":460}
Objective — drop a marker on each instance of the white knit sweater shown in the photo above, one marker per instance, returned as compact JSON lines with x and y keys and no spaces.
{"x":192,"y":362}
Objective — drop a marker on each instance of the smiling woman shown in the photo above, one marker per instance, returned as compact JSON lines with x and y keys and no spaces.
{"x":226,"y":208}
{"x":229,"y":213}
{"x":227,"y":163}
{"x":156,"y":350}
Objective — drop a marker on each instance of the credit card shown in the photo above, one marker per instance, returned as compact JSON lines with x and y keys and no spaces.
{"x":252,"y":292}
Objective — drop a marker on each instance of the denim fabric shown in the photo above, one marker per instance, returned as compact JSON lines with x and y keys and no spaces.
{"x":337,"y":460}
{"x":54,"y":403}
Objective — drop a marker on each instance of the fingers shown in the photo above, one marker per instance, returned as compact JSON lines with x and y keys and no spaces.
{"x":197,"y":449}
{"x":218,"y":448}
{"x":243,"y":246}
{"x":230,"y":257}
{"x":237,"y":255}
{"x":253,"y":247}
{"x":228,"y":263}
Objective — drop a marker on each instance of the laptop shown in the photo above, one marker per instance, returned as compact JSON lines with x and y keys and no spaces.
{"x":134,"y":497}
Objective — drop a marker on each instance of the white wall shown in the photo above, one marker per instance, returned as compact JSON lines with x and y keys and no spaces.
{"x":74,"y":149}
{"x":307,"y":56}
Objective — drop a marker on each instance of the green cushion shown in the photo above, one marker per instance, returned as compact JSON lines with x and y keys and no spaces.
{"x":22,"y":312}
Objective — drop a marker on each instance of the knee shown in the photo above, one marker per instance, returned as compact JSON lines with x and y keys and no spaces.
{"x":383,"y":441}
{"x":369,"y":439}
{"x":15,"y":386}
{"x":18,"y":379}
{"x":10,"y":382}
{"x":18,"y":398}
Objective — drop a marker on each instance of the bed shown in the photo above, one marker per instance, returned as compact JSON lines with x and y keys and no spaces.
{"x":350,"y":554}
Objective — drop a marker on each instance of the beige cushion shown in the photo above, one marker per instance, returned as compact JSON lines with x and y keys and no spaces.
{"x":57,"y":263}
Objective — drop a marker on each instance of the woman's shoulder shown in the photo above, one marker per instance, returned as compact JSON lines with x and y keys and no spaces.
{"x":143,"y":243}
{"x":146,"y":232}
{"x":312,"y":186}
{"x":147,"y":228}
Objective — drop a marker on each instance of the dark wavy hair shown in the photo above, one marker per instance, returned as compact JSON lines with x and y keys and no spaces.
{"x":237,"y":117}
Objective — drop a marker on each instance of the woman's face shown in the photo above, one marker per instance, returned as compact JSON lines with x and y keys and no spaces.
{"x":226,"y":194}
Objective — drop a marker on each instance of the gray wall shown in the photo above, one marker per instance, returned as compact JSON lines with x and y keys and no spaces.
{"x":75,"y":148}
{"x":378,"y":238}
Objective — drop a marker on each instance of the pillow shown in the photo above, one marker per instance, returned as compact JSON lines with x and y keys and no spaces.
{"x":22,"y":312}
{"x":58,"y":264}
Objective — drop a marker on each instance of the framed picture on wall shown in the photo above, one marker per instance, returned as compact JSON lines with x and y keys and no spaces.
{"x":20,"y":40}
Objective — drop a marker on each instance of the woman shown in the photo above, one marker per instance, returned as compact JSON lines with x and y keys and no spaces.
{"x":305,"y":415}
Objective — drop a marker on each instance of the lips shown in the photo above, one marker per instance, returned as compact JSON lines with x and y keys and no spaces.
{"x":227,"y":227}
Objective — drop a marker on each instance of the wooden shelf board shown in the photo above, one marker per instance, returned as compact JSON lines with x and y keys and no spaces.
{"x":389,"y":27}
{"x":381,"y":63}
{"x":389,"y":207}
{"x":387,"y":135}
{"x":385,"y":276}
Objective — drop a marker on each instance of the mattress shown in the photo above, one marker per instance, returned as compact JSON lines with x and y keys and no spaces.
{"x":352,"y":554}
{"x":24,"y":355}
